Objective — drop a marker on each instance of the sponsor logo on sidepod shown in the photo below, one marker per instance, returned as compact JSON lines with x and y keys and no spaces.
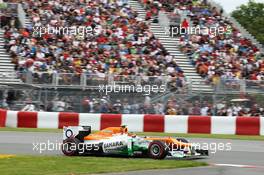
{"x":113,"y":145}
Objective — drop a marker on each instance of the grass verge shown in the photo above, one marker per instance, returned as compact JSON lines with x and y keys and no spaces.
{"x":31,"y":129}
{"x":60,"y":165}
{"x":216,"y":136}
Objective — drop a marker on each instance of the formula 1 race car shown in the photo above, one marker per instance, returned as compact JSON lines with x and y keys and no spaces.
{"x":116,"y":141}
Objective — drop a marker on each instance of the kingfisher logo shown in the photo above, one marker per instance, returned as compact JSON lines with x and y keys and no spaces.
{"x":113,"y":144}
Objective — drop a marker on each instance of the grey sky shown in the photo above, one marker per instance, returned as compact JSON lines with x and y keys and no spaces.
{"x":230,"y":5}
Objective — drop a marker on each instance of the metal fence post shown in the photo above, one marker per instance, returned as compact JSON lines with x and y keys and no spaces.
{"x":83,"y":80}
{"x":29,"y":77}
{"x":242,"y":86}
{"x":55,"y":79}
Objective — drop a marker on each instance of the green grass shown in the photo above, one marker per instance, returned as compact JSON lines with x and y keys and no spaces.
{"x":216,"y":136}
{"x":60,"y":165}
{"x":30,"y":129}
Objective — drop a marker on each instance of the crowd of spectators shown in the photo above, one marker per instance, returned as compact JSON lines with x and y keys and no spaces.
{"x":206,"y":108}
{"x":172,"y":106}
{"x":8,"y":15}
{"x":119,"y":41}
{"x":223,"y":55}
{"x":216,"y":56}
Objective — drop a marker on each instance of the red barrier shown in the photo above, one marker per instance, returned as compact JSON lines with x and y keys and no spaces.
{"x":139,"y":122}
{"x":27,"y":119}
{"x":153,"y":123}
{"x":248,"y":126}
{"x":68,"y":119}
{"x":110,"y":120}
{"x":2,"y":117}
{"x":199,"y":124}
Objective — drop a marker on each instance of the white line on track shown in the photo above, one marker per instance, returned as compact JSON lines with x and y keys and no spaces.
{"x":237,"y":165}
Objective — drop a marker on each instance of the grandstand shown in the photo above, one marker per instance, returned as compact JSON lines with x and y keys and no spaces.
{"x":131,"y":43}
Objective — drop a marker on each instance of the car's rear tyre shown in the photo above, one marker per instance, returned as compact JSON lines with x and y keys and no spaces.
{"x":70,"y":146}
{"x":157,"y":150}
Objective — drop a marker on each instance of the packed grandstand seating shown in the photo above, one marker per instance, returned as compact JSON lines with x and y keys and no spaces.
{"x":120,"y":42}
{"x":228,"y":55}
{"x":125,"y":46}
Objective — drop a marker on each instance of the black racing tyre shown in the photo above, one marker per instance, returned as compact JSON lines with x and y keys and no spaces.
{"x":70,"y":146}
{"x":183,"y":140}
{"x":157,"y":150}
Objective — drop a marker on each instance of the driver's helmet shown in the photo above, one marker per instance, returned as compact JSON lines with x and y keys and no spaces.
{"x":123,"y":129}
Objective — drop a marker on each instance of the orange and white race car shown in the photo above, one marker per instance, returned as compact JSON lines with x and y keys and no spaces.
{"x":117,"y":141}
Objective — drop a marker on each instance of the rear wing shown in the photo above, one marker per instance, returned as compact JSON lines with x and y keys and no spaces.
{"x":78,"y":132}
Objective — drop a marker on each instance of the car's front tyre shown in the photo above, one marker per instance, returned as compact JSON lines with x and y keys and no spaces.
{"x":157,"y":150}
